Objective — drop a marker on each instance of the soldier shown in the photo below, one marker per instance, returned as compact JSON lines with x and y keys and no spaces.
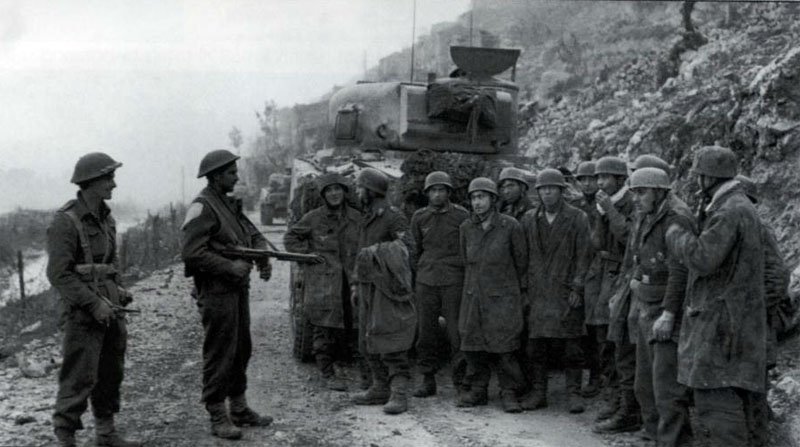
{"x":558,"y":249}
{"x":490,"y":321}
{"x":439,"y":281}
{"x":722,"y":351}
{"x":651,"y":161}
{"x":81,"y":247}
{"x":615,"y":206}
{"x":215,"y":220}
{"x":330,"y":231}
{"x":658,"y":287}
{"x":386,"y":323}
{"x":514,"y":193}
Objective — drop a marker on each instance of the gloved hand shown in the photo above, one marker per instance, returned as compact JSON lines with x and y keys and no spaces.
{"x":662,"y":328}
{"x":125,"y":297}
{"x":575,"y":299}
{"x":265,"y":270}
{"x":241,"y":269}
{"x":102,"y":313}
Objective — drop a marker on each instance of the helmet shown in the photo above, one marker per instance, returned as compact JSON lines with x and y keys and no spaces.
{"x":651,"y":161}
{"x":512,"y":173}
{"x":329,"y":179}
{"x":437,"y":178}
{"x":612,"y":165}
{"x":650,"y":178}
{"x":715,"y":161}
{"x":749,"y":186}
{"x":93,"y":165}
{"x":585,"y":169}
{"x":482,"y":184}
{"x":373,"y":180}
{"x":550,"y":177}
{"x":215,"y":160}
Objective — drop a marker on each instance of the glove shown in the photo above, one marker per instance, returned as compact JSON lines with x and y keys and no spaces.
{"x":265,"y":270}
{"x":240,"y":269}
{"x":125,"y":297}
{"x":575,"y":299}
{"x":102,"y":313}
{"x":662,"y":328}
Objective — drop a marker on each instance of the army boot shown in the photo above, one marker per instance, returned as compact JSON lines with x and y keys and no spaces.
{"x":574,"y":401}
{"x":537,"y":397}
{"x":376,"y":394}
{"x":221,"y":425}
{"x":592,"y":388}
{"x":610,"y":406}
{"x":510,"y":401}
{"x":427,"y":387}
{"x":398,"y":401}
{"x":476,"y":395}
{"x":65,"y":437}
{"x":106,"y":434}
{"x":364,"y":374}
{"x":627,"y":419}
{"x":243,"y":415}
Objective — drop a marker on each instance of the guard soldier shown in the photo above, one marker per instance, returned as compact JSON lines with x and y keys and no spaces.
{"x":81,"y":246}
{"x":558,"y":237}
{"x":386,"y":315}
{"x":513,"y":192}
{"x":213,"y":221}
{"x":494,"y":251}
{"x":658,"y":287}
{"x":439,"y":280}
{"x":722,"y":352}
{"x":330,"y":231}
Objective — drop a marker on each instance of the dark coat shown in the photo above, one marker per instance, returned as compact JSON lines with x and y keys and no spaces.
{"x":332,"y":234}
{"x":517,"y":209}
{"x":495,"y":260}
{"x":435,"y":233}
{"x":724,"y":333}
{"x":557,"y":263}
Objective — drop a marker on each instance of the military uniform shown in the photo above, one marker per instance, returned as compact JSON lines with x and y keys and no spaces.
{"x":558,"y":257}
{"x":332,"y":234}
{"x":516,"y":209}
{"x":439,"y":282}
{"x":722,"y":351}
{"x":659,"y":285}
{"x":213,"y":221}
{"x":81,"y":248}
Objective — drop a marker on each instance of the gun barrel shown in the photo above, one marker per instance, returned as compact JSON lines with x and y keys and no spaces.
{"x":257,"y":254}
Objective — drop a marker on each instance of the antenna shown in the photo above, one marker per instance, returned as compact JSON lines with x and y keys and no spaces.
{"x":413,"y":38}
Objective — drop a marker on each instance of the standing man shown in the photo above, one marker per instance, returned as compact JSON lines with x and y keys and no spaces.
{"x":440,"y":278}
{"x":658,"y":287}
{"x":215,"y":220}
{"x":558,"y":257}
{"x":330,"y":231}
{"x":490,"y":321}
{"x":722,"y":354}
{"x":81,"y":248}
{"x":513,"y":193}
{"x":386,"y":315}
{"x":615,"y":206}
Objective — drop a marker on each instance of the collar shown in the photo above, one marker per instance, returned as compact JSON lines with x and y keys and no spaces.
{"x":489,"y":217}
{"x":82,"y":209}
{"x":723,"y":189}
{"x":619,"y":194}
{"x":445,"y":209}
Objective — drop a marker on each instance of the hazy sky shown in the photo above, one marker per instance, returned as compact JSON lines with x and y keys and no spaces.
{"x":156,"y":84}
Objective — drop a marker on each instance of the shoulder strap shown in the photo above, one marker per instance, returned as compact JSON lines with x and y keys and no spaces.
{"x":84,"y":240}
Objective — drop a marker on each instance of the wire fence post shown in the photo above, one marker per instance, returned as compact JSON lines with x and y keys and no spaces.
{"x":21,"y":270}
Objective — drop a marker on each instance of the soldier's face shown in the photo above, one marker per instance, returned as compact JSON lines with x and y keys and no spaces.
{"x":438,"y":195}
{"x":363,"y":195}
{"x":610,"y":184}
{"x":227,"y":178}
{"x":510,"y":190}
{"x":481,"y":202}
{"x":334,"y":195}
{"x":550,"y":195}
{"x":645,"y":199}
{"x":588,"y":184}
{"x":102,"y":187}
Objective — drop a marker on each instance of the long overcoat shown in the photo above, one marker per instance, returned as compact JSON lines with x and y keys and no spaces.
{"x":723,"y":338}
{"x":558,"y":256}
{"x":332,"y":234}
{"x":495,"y":260}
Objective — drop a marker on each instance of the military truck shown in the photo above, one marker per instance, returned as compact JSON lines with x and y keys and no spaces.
{"x":469,"y":116}
{"x":274,"y":198}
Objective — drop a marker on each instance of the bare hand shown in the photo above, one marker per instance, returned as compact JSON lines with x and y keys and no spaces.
{"x":575,"y":300}
{"x":265,"y":271}
{"x":662,"y":328}
{"x":603,"y":199}
{"x":241,"y":269}
{"x":125,"y":297}
{"x":103,"y":313}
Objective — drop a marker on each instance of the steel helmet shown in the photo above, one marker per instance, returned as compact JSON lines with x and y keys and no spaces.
{"x":749,"y":186}
{"x":650,"y":178}
{"x":482,"y":184}
{"x":512,"y":173}
{"x":437,"y":178}
{"x":550,"y":177}
{"x":373,"y":180}
{"x":93,"y":165}
{"x":215,"y":160}
{"x":585,"y":169}
{"x":651,"y":161}
{"x":611,"y":165}
{"x":715,"y":161}
{"x":331,"y":178}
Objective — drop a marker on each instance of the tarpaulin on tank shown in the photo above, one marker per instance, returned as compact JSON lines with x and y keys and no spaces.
{"x":463,"y":103}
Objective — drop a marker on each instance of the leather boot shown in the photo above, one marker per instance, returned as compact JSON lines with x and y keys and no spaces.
{"x":65,"y":437}
{"x":627,"y":419}
{"x":573,"y":378}
{"x":398,"y":401}
{"x":221,"y":425}
{"x":106,"y":434}
{"x":537,"y":397}
{"x":329,"y":378}
{"x":427,"y":387}
{"x":474,"y":397}
{"x":592,"y":388}
{"x":376,"y":394}
{"x":510,"y":402}
{"x":610,"y":406}
{"x":242,"y":414}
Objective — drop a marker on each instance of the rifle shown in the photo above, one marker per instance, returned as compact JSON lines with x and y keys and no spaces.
{"x":257,"y":254}
{"x":119,"y":309}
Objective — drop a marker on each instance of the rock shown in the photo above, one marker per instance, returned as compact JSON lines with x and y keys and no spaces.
{"x":30,"y":367}
{"x":22,"y":419}
{"x":33,"y":327}
{"x":279,"y":436}
{"x":790,"y":387}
